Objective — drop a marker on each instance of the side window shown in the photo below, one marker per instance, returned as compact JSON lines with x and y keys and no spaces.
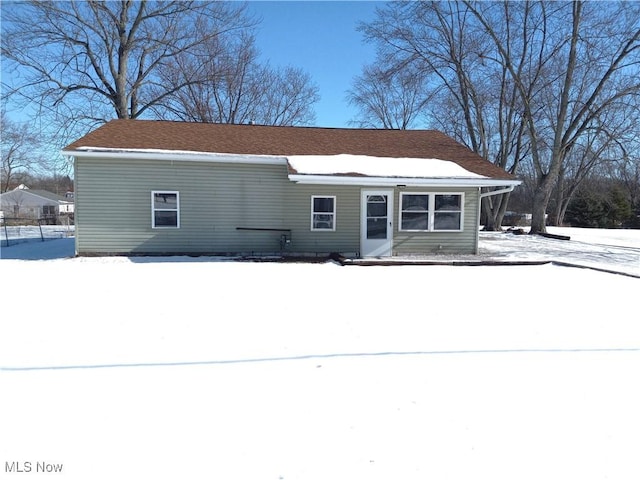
{"x":165,"y":209}
{"x":48,"y":210}
{"x":448,"y":212}
{"x":323,"y":213}
{"x":414,"y":211}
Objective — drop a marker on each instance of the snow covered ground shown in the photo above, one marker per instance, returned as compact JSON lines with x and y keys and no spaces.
{"x":200,"y":368}
{"x":614,"y":250}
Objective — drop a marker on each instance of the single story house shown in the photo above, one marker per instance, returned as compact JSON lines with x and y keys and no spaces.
{"x":162,"y":187}
{"x":28,"y":204}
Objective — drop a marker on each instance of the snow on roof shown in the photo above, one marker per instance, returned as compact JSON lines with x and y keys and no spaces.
{"x":377,"y":166}
{"x":342,"y":164}
{"x":158,"y":151}
{"x":183,"y":155}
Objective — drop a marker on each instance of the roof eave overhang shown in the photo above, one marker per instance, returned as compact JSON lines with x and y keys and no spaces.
{"x":401,"y":181}
{"x":309,"y":179}
{"x":176,"y":157}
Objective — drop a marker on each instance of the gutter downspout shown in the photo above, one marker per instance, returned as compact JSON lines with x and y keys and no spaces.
{"x":484,"y":195}
{"x":497,"y":192}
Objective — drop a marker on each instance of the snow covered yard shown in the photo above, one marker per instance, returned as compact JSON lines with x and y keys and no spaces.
{"x":193,"y":368}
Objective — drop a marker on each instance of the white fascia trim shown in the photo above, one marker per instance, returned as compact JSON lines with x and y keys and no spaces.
{"x":403,"y":182}
{"x":174,"y":156}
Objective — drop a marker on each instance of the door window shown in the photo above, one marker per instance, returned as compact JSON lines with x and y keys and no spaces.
{"x":377,"y":216}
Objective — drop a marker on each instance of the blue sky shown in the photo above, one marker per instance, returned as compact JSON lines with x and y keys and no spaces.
{"x":321,"y":38}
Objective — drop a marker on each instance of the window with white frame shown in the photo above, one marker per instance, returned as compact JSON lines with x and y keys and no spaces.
{"x":323,"y":212}
{"x":447,"y":213}
{"x":431,"y":212}
{"x":165,"y":209}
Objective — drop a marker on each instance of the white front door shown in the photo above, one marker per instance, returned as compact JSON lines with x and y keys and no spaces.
{"x":376,"y":225}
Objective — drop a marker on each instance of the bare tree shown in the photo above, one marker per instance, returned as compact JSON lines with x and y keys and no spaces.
{"x":579,"y":70}
{"x":19,"y":153}
{"x":392,"y":99}
{"x":289,"y":98}
{"x":88,"y":61}
{"x":238,"y":88}
{"x":625,"y":167}
{"x":470,"y":97}
{"x":522,"y":81}
{"x":603,"y":148}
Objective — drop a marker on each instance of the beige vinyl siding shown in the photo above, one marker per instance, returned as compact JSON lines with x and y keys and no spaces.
{"x":345,"y":238}
{"x":113,"y":211}
{"x":463,"y":242}
{"x":114,"y":199}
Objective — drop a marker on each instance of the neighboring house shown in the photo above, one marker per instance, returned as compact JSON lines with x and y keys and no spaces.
{"x":69,"y":207}
{"x":27,"y":204}
{"x":159,"y":187}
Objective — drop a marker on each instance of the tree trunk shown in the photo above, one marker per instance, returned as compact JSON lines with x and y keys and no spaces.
{"x":494,"y":211}
{"x":541,"y":197}
{"x":490,"y":224}
{"x":562,"y":211}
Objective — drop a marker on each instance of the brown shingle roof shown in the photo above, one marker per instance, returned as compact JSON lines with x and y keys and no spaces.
{"x":284,"y":141}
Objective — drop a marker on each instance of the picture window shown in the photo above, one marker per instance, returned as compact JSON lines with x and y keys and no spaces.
{"x":431,"y":212}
